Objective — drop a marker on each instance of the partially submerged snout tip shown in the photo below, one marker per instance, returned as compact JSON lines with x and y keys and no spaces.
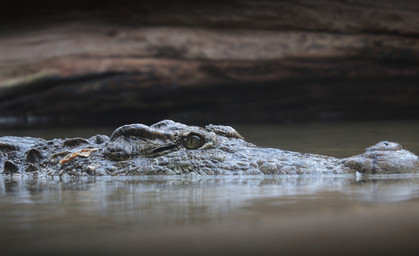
{"x":383,"y":158}
{"x":385,"y":146}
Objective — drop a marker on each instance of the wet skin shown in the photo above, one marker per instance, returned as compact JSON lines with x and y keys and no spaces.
{"x":171,"y":148}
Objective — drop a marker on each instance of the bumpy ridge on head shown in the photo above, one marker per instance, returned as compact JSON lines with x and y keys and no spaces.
{"x":142,"y":131}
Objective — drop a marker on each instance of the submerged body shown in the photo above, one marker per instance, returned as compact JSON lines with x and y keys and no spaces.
{"x":170,"y":148}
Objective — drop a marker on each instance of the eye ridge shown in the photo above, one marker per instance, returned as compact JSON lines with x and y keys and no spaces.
{"x":193,"y":141}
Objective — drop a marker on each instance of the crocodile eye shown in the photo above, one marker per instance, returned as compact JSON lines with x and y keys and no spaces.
{"x":193,"y":141}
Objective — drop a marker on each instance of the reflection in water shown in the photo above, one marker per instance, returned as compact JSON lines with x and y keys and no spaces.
{"x":135,"y":212}
{"x":393,"y":188}
{"x":34,"y":203}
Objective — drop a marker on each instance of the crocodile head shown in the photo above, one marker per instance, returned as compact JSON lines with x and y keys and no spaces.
{"x":171,"y":148}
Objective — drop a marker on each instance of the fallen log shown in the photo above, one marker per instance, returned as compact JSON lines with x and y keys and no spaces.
{"x":226,"y":62}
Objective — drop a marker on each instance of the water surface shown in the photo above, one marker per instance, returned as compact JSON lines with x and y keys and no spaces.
{"x":345,"y":214}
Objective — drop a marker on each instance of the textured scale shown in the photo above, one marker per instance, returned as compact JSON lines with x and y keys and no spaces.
{"x":160,"y":149}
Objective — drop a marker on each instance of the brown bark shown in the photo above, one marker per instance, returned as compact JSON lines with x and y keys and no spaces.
{"x":230,"y":61}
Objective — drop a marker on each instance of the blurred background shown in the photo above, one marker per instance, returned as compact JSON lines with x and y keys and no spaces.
{"x":81,"y":63}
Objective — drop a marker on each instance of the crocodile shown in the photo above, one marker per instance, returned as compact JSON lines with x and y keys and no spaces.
{"x":172,"y":148}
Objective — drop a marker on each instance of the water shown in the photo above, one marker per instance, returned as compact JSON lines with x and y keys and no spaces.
{"x":345,"y":214}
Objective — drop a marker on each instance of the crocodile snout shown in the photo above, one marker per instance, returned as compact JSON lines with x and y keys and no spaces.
{"x":383,"y":158}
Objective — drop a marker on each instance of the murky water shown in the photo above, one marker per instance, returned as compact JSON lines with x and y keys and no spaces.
{"x":319,"y":215}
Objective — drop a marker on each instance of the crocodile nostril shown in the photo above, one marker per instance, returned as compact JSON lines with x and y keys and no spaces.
{"x":384,"y":146}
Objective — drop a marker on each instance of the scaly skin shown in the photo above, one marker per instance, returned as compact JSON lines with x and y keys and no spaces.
{"x":170,"y":148}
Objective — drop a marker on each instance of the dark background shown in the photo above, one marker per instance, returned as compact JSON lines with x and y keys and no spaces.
{"x":113,"y":62}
